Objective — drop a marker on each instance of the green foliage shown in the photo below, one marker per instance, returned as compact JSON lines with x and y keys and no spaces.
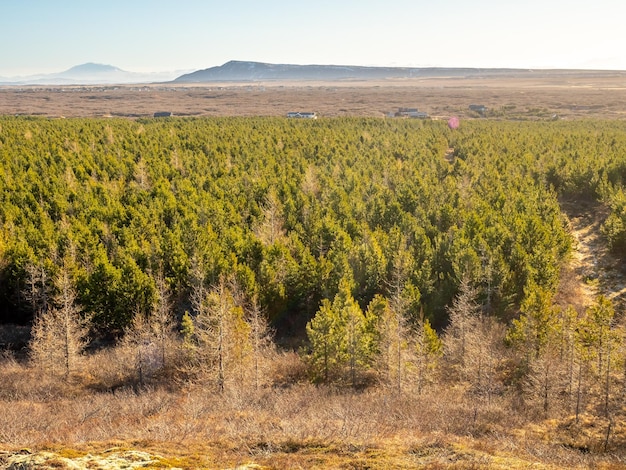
{"x":341,"y":338}
{"x":428,"y":351}
{"x":187,"y":330}
{"x":430,"y":344}
{"x":535,"y":327}
{"x":614,"y":227}
{"x":326,"y":337}
{"x":291,"y":208}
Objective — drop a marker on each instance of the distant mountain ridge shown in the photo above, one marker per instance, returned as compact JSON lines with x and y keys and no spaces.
{"x":91,"y":74}
{"x":254,"y":71}
{"x":257,"y":71}
{"x":91,"y":68}
{"x":242,"y":71}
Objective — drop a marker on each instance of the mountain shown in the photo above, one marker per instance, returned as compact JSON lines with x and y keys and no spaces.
{"x":255,"y":71}
{"x":259,"y":71}
{"x":92,"y":70}
{"x":94,"y":73}
{"x":91,"y":74}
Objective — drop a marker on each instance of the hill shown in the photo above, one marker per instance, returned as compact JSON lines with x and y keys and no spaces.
{"x":90,"y":74}
{"x":255,"y":71}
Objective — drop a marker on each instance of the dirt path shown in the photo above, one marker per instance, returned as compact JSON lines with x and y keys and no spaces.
{"x":593,"y":270}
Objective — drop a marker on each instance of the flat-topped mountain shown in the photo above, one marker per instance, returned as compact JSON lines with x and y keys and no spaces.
{"x":259,"y":71}
{"x":254,"y":71}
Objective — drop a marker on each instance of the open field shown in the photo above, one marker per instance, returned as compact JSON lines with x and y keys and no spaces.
{"x":567,"y":95}
{"x":48,"y":424}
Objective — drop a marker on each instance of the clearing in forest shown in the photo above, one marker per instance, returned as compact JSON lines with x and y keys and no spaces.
{"x":594,"y":270}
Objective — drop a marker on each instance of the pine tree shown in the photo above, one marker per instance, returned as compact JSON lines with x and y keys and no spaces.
{"x":358,"y":339}
{"x":340,"y":338}
{"x":326,"y":337}
{"x":187,"y":332}
{"x":602,"y":342}
{"x":428,"y":350}
{"x":537,"y":336}
{"x":390,"y":342}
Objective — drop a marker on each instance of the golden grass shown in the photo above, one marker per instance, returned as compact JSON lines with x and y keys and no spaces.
{"x":574,"y":96}
{"x":289,"y":425}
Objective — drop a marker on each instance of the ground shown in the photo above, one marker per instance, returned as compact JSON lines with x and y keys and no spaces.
{"x":593,"y":270}
{"x":556,"y":96}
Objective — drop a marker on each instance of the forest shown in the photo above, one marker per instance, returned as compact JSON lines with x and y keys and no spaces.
{"x":358,"y":254}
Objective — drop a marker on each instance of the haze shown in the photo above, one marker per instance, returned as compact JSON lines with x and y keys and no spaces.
{"x":40,"y":36}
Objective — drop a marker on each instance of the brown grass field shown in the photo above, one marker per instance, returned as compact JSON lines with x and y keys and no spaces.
{"x":54,"y":424}
{"x":566,"y":95}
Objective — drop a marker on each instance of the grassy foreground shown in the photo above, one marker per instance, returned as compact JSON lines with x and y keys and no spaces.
{"x":52,"y":424}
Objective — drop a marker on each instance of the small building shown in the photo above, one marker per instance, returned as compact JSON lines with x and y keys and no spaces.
{"x":411,"y":113}
{"x":160,"y":114}
{"x":479,"y":108}
{"x":302,"y":115}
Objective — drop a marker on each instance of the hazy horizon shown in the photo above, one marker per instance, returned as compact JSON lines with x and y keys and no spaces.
{"x":185,"y":71}
{"x":145,"y":36}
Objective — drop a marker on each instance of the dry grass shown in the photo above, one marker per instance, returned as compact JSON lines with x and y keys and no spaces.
{"x":288,"y":425}
{"x":571,"y":95}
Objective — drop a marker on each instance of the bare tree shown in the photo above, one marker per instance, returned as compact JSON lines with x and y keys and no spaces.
{"x":149,"y":340}
{"x":260,"y":339}
{"x":37,"y":289}
{"x":463,"y":320}
{"x":271,"y":228}
{"x":221,"y":332}
{"x":59,"y":334}
{"x":398,"y":308}
{"x":542,"y":383}
{"x":138,"y":349}
{"x":162,"y":321}
{"x":472,"y":346}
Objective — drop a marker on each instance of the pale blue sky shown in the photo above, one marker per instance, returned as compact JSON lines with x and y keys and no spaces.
{"x":42,"y":36}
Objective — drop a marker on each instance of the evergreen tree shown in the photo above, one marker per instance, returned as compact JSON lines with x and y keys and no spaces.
{"x":326,"y":336}
{"x":428,"y":351}
{"x":340,"y":338}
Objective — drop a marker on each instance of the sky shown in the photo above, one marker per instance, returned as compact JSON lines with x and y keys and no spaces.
{"x":47,"y":36}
